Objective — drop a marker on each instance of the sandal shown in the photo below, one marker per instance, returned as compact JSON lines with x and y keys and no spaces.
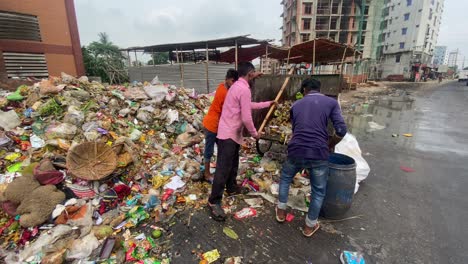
{"x":217,"y":212}
{"x":314,"y":229}
{"x":282,"y":218}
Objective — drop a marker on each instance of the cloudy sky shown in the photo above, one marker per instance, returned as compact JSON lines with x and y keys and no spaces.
{"x":146,"y":22}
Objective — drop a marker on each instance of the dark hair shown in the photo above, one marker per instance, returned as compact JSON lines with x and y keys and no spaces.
{"x":310,"y":84}
{"x":243,"y":68}
{"x":232,"y":74}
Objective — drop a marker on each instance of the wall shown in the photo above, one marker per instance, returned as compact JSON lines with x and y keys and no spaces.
{"x":194,"y":75}
{"x":267,"y":87}
{"x":59,"y":34}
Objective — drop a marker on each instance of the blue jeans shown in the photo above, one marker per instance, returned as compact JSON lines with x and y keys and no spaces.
{"x":210,"y":140}
{"x":318,"y":182}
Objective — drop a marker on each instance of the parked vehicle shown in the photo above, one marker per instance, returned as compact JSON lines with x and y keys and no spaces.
{"x":463,"y":75}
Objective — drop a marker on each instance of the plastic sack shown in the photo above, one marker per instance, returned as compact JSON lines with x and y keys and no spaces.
{"x":9,"y":120}
{"x":349,"y":146}
{"x":82,"y":248}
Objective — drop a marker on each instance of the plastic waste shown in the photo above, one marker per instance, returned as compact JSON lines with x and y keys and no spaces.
{"x":157,"y":92}
{"x":349,"y":257}
{"x":211,"y":256}
{"x":172,"y":116}
{"x":136,"y":134}
{"x":47,"y":87}
{"x":349,"y":146}
{"x":61,"y":130}
{"x":74,"y":116}
{"x":82,"y":248}
{"x":9,"y":120}
{"x":245,"y":213}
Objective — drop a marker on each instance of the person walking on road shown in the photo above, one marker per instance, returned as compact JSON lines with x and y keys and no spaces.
{"x":211,"y":120}
{"x":236,"y":114}
{"x":309,"y":149}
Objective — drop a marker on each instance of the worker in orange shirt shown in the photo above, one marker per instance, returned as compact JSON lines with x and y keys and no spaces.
{"x":211,"y":120}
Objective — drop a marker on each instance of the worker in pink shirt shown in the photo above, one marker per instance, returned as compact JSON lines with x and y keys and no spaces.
{"x":236,"y":114}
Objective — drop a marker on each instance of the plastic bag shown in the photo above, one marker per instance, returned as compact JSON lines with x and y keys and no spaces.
{"x":63,"y":131}
{"x":9,"y":120}
{"x":157,"y":92}
{"x":74,"y":116}
{"x":349,"y":146}
{"x":156,"y":81}
{"x":82,"y":248}
{"x":172,"y":116}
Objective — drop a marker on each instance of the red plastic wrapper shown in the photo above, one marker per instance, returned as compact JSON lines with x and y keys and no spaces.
{"x":245,"y":213}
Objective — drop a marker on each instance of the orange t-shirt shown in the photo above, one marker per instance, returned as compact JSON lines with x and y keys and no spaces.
{"x":211,"y":120}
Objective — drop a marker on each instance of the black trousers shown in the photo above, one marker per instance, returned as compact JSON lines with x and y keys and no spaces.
{"x":227,"y":165}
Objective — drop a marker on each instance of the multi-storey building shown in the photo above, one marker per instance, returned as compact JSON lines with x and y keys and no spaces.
{"x":39,"y":38}
{"x":440,"y":56}
{"x":409,"y":35}
{"x":344,"y":21}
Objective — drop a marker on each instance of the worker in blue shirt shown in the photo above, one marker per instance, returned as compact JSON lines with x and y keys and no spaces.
{"x":309,"y":149}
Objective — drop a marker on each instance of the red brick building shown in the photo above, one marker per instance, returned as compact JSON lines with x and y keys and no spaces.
{"x":39,"y":39}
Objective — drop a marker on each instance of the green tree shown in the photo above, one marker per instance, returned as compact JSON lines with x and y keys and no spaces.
{"x":104,"y":59}
{"x":159,"y":58}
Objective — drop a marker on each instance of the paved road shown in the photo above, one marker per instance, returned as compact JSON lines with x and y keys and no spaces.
{"x":416,"y":217}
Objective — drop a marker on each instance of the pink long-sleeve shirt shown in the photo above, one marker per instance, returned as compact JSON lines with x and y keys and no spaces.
{"x":237,"y":112}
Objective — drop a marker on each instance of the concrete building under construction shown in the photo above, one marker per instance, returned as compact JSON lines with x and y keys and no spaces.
{"x":345,"y":21}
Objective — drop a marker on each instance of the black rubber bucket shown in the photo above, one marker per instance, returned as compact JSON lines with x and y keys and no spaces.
{"x":340,"y":186}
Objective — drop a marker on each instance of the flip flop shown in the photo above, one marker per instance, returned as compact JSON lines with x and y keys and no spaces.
{"x":277,"y":218}
{"x":316,"y":228}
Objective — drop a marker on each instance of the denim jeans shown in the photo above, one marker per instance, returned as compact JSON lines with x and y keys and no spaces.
{"x":210,"y":140}
{"x":318,"y":182}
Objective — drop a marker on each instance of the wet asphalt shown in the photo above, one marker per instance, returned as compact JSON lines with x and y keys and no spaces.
{"x":404,"y":217}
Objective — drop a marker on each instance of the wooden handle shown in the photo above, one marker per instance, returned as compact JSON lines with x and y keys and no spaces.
{"x":278,"y":96}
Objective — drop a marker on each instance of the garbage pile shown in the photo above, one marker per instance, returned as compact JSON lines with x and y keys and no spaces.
{"x":92,"y":171}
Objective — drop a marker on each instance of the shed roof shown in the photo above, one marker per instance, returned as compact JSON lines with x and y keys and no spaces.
{"x":325,"y":51}
{"x":214,"y":43}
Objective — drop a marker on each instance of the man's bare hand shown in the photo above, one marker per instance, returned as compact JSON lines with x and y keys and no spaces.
{"x":257,"y":74}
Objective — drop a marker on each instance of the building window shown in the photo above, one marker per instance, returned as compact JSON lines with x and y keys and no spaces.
{"x":305,"y":37}
{"x":402,"y":45}
{"x":333,"y":23}
{"x":407,"y":16}
{"x":306,"y":24}
{"x":430,"y":14}
{"x":397,"y":58}
{"x":308,"y":8}
{"x":417,"y":26}
{"x":388,"y":34}
{"x":409,"y":2}
{"x":404,"y":30}
{"x":386,"y":47}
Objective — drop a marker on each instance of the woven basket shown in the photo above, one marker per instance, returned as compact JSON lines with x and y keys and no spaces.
{"x":91,"y":161}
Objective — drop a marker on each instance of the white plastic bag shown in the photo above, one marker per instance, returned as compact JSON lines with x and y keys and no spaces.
{"x":83,"y":247}
{"x":172,"y":116}
{"x":9,"y":120}
{"x":349,"y":146}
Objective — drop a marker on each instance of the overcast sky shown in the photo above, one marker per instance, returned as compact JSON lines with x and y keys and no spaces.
{"x":146,"y":22}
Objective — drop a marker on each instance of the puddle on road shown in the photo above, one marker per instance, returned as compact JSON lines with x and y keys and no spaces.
{"x":432,"y":128}
{"x":382,"y":117}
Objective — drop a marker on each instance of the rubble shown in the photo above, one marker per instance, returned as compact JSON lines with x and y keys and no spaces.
{"x":91,"y":170}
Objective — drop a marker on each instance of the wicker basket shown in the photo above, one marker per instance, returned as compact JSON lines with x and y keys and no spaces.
{"x":91,"y":161}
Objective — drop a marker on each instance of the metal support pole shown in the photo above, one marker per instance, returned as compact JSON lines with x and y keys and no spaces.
{"x":129,"y":59}
{"x":313,"y":60}
{"x":235,"y":43}
{"x":136,"y":59}
{"x":152,"y":56}
{"x":182,"y":66}
{"x":180,"y":69}
{"x":342,"y":66}
{"x":206,"y":67}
